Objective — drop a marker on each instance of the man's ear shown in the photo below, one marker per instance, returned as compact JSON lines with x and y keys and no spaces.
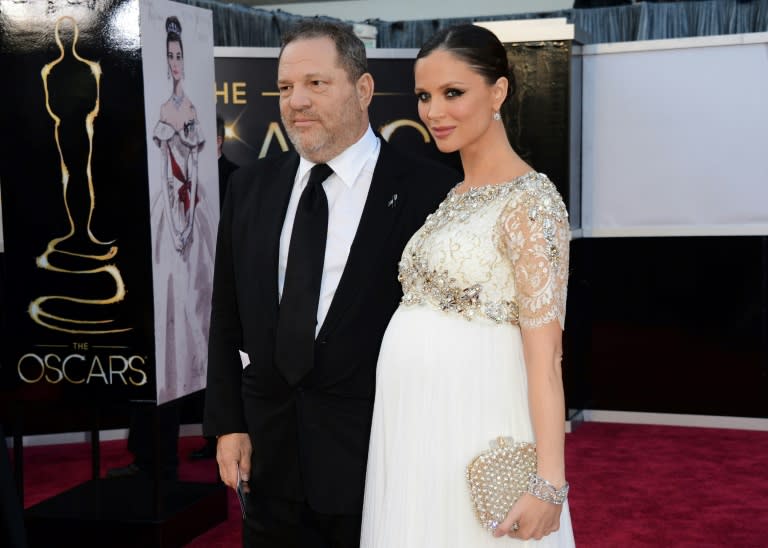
{"x":364,"y":88}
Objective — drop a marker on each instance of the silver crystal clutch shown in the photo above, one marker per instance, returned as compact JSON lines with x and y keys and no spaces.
{"x":498,"y":477}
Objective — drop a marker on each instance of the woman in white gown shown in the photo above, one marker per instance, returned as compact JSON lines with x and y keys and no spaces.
{"x":184,"y":237}
{"x":473,"y":352}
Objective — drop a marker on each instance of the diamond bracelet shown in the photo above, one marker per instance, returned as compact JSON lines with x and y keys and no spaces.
{"x":542,"y":489}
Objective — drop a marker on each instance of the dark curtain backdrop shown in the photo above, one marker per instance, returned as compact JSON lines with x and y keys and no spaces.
{"x":241,"y":26}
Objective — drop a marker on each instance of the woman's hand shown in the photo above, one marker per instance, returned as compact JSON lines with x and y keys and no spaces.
{"x":530,"y":518}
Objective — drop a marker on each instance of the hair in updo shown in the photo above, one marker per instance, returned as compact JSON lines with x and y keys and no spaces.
{"x":476,"y":46}
{"x":173,"y":28}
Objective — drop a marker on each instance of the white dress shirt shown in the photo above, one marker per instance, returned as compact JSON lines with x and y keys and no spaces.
{"x":346,"y":189}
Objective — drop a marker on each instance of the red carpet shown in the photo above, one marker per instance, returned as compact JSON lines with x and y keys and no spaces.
{"x":631,"y":485}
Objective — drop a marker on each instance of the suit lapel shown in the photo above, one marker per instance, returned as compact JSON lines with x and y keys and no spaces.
{"x":267,"y":224}
{"x":380,"y":213}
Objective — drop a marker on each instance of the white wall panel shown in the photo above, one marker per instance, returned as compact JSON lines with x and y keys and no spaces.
{"x":675,"y":137}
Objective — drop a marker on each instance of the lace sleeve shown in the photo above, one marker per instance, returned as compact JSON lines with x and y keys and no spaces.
{"x":536,"y":237}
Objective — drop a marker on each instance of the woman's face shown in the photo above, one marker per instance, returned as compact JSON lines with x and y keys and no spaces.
{"x":175,"y":61}
{"x":455,"y":102}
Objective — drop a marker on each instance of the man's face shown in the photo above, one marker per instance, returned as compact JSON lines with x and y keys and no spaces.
{"x":322,"y":111}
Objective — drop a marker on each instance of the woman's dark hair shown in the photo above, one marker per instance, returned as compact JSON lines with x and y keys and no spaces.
{"x":173,"y":28}
{"x":478,"y":47}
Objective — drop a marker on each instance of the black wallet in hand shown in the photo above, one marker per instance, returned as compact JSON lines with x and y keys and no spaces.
{"x":242,"y":490}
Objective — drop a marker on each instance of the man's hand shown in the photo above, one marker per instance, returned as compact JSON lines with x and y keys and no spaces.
{"x":233,"y":451}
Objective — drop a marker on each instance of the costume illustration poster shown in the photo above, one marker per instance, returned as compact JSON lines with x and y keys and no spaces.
{"x":177,"y":53}
{"x":75,"y":204}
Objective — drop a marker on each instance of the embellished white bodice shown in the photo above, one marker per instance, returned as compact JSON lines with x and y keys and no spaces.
{"x":496,"y":251}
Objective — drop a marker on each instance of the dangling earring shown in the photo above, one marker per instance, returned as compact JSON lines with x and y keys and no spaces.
{"x":182,"y":72}
{"x":497,"y":116}
{"x":168,"y":71}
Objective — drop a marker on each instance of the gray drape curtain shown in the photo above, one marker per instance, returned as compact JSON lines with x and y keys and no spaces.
{"x":236,"y":25}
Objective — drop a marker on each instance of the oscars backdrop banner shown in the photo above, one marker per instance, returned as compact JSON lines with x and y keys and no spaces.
{"x":540,"y":122}
{"x":78,"y":195}
{"x":247,"y":100}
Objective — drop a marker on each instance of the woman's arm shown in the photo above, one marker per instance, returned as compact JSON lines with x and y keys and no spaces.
{"x":543,"y":355}
{"x":537,"y":237}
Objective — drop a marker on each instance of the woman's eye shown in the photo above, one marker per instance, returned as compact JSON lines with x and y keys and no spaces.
{"x":453,"y":93}
{"x":422,"y":97}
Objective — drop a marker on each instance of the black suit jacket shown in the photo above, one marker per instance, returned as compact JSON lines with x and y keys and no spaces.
{"x":310,"y":442}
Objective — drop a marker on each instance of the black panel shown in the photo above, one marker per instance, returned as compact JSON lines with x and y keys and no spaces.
{"x":576,"y":338}
{"x":123,"y":512}
{"x":678,"y":325}
{"x":538,"y":118}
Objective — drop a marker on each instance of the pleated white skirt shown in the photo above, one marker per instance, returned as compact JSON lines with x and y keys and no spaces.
{"x":445,"y":388}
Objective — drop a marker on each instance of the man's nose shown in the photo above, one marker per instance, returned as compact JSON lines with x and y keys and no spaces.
{"x":299,"y":98}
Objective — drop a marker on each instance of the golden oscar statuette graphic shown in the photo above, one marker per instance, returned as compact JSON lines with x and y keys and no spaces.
{"x":82,"y":262}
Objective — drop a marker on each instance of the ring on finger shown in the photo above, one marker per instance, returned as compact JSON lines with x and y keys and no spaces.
{"x":515,"y":527}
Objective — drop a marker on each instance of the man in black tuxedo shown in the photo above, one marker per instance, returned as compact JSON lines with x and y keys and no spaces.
{"x":304,"y":286}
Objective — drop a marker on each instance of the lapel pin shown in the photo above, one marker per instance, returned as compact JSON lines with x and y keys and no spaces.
{"x":392,"y":201}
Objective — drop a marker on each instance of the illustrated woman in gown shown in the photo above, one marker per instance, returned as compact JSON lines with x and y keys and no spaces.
{"x":184,"y":236}
{"x":474,"y":350}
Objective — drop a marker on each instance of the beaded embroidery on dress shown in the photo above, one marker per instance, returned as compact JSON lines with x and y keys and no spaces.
{"x":451,"y":371}
{"x":528,"y":222}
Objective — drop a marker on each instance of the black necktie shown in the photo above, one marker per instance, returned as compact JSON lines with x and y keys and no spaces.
{"x":295,"y":341}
